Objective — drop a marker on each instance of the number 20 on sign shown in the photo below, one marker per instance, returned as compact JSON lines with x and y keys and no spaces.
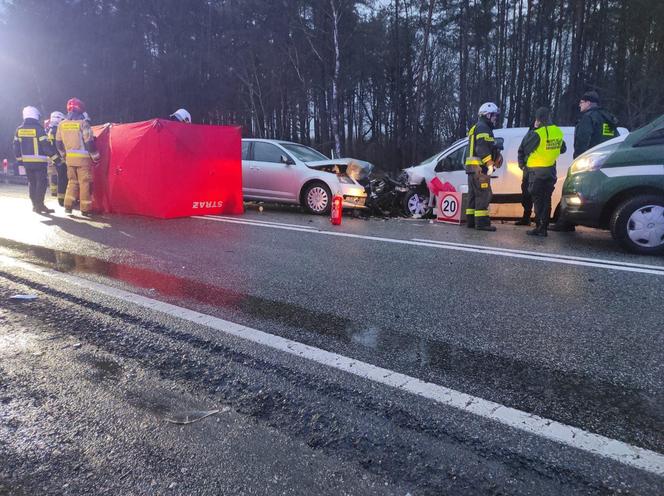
{"x":448,"y":207}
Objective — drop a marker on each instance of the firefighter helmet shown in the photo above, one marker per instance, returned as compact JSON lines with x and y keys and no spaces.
{"x":75,"y":105}
{"x":488,"y":108}
{"x":30,"y":112}
{"x":56,"y":118}
{"x":181,"y":115}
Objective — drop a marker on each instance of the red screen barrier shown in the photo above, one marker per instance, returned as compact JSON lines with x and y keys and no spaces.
{"x":168,"y":169}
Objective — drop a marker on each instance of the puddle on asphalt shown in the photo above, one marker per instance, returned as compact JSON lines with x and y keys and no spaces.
{"x":410,"y":353}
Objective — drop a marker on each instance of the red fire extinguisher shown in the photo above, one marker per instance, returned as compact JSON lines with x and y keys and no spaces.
{"x":337,"y":207}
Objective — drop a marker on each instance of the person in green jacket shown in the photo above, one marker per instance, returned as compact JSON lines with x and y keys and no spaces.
{"x":596,"y":125}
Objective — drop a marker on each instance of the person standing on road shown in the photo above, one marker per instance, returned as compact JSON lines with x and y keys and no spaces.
{"x":540,"y":149}
{"x":33,"y":151}
{"x":482,"y":154}
{"x":76,"y":144}
{"x":596,"y":125}
{"x":526,"y":199}
{"x":59,"y":164}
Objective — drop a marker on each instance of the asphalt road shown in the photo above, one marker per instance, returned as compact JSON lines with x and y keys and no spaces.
{"x":567,"y":328}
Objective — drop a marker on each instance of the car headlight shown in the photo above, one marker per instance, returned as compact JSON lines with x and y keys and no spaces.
{"x":591,"y":161}
{"x":343,"y":178}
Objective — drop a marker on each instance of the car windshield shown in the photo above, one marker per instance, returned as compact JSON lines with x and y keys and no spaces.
{"x":304,"y":153}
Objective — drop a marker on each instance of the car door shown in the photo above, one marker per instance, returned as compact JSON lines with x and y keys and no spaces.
{"x":248,"y":176}
{"x":271,"y":177}
{"x":451,"y":168}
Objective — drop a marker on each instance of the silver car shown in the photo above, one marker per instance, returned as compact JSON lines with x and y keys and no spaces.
{"x":286,"y":172}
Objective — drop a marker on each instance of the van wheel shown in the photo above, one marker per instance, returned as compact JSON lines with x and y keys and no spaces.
{"x":638,"y":224}
{"x":415,"y":204}
{"x":317,"y":198}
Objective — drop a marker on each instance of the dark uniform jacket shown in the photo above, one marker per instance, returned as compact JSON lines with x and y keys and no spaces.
{"x":50,"y":134}
{"x":529,"y":144}
{"x":483,"y":144}
{"x":595,"y":126}
{"x":31,"y":145}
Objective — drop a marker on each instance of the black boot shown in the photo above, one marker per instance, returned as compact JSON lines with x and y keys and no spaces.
{"x":538,"y":231}
{"x":525,"y":221}
{"x":484,"y":224}
{"x":562,"y":227}
{"x":45,"y":210}
{"x":470,"y":221}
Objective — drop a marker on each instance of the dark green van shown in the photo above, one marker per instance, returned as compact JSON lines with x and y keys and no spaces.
{"x":619,"y":185}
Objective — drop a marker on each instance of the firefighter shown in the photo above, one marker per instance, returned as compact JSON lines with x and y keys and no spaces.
{"x":76,"y":144}
{"x":59,"y":164}
{"x":596,"y":125}
{"x":181,"y":115}
{"x":33,"y":151}
{"x":541,"y":148}
{"x":51,"y":171}
{"x":482,"y":154}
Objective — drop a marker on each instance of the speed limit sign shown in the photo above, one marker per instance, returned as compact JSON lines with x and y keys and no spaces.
{"x":448,"y":207}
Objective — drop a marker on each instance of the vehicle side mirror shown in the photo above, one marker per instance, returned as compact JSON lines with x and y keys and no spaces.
{"x":500,"y":143}
{"x":286,"y":160}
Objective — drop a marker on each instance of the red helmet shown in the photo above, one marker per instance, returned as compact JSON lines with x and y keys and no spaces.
{"x":75,"y":105}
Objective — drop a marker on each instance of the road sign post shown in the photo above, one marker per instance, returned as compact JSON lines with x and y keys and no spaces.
{"x":448,"y":207}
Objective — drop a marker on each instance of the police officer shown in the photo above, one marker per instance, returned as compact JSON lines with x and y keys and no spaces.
{"x":526,"y":199}
{"x":59,"y":164}
{"x":76,"y":144}
{"x":33,"y":151}
{"x":596,"y":125}
{"x":541,"y":148}
{"x":482,"y":154}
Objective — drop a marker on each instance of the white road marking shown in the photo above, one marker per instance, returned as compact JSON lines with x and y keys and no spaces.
{"x":634,"y":456}
{"x":546,"y":254}
{"x":220,"y":218}
{"x":486,"y":250}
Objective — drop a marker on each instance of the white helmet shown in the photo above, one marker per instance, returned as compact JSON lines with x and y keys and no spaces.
{"x":56,"y":118}
{"x":181,"y":115}
{"x":31,"y":113}
{"x":488,"y":108}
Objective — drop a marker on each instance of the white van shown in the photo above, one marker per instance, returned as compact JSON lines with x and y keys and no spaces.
{"x":448,"y":165}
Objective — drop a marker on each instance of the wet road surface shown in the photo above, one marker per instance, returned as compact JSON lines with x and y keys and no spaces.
{"x":578,"y":344}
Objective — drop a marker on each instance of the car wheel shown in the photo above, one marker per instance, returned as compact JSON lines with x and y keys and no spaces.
{"x":638,"y":224}
{"x":317,"y":198}
{"x":416,"y":204}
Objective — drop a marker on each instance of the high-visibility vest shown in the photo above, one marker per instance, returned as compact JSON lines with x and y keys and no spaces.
{"x":548,"y":150}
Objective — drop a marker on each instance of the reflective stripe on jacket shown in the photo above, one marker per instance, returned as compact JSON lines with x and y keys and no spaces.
{"x":75,"y":140}
{"x":481,"y":144}
{"x":549,"y":148}
{"x":31,"y":146}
